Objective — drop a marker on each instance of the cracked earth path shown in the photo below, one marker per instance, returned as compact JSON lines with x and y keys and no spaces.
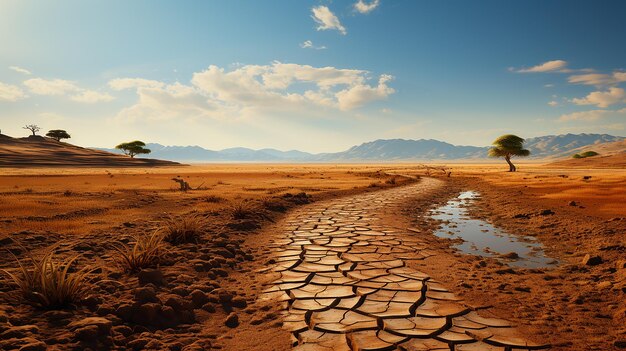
{"x":343,"y":274}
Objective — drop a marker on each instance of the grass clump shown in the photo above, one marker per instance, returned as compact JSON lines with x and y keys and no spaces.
{"x":146,"y":252}
{"x":214,"y":199}
{"x":241,"y":210}
{"x":49,"y":283}
{"x":183,"y":230}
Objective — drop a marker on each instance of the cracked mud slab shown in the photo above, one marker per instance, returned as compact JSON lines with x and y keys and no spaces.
{"x":343,"y":274}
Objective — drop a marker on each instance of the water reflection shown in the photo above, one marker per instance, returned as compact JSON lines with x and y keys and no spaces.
{"x":483,"y":239}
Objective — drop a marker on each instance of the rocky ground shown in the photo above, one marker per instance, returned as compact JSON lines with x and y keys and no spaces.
{"x":206,"y":295}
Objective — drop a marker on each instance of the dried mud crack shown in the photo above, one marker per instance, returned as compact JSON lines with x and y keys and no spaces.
{"x":343,"y":273}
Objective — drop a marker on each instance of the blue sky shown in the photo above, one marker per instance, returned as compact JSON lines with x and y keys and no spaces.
{"x":311,"y":75}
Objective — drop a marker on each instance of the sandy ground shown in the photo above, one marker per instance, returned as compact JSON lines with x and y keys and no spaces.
{"x":573,"y":307}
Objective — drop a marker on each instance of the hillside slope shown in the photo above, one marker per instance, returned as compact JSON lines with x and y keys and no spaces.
{"x":38,"y":151}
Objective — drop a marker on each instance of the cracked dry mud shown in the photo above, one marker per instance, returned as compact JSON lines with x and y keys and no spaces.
{"x":343,"y":274}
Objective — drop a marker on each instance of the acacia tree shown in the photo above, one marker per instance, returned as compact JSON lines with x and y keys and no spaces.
{"x":58,"y":134}
{"x":32,"y":127}
{"x":133,"y":148}
{"x":508,"y":146}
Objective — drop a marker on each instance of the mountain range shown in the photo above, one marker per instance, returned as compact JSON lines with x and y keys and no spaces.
{"x":544,"y":147}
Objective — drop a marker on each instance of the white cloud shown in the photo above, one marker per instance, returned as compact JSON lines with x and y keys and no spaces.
{"x":20,"y":70}
{"x":308,"y":44}
{"x":363,"y":7}
{"x":598,"y":78}
{"x":553,"y":103}
{"x":91,"y":96}
{"x":10,"y":92}
{"x":361,"y":94}
{"x":42,"y":86}
{"x":603,"y":98}
{"x":326,"y":20}
{"x":549,"y":66}
{"x":133,"y":83}
{"x":592,"y":115}
{"x":251,"y":90}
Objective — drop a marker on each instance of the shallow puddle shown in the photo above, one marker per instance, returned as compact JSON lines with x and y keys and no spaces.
{"x":483,"y":239}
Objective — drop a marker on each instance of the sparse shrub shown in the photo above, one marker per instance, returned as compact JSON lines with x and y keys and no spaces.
{"x":214,"y":199}
{"x":241,"y":210}
{"x":68,"y":193}
{"x":147,"y":251}
{"x":391,"y":181}
{"x":274,"y":204}
{"x":374,"y":185}
{"x":183,"y":230}
{"x":50,"y":283}
{"x":586,"y":154}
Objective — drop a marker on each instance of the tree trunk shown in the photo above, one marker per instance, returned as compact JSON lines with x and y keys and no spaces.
{"x":511,"y":165}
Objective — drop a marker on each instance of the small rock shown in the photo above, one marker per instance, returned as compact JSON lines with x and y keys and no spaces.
{"x":239,"y":302}
{"x":603,"y":285}
{"x":620,"y":344}
{"x":232,"y":321}
{"x":572,"y":203}
{"x":19,"y":332}
{"x":87,"y":334}
{"x":546,"y":212}
{"x":510,"y":256}
{"x":150,"y":276}
{"x":199,"y":298}
{"x":146,"y":294}
{"x":589,"y":260}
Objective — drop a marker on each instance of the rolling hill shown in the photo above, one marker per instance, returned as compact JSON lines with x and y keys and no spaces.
{"x":38,"y":151}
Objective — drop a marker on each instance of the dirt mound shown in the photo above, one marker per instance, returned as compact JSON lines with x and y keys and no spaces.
{"x":600,"y":161}
{"x":38,"y":151}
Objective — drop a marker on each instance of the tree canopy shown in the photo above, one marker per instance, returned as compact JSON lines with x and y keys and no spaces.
{"x":507,"y":146}
{"x":133,"y":148}
{"x":58,"y":134}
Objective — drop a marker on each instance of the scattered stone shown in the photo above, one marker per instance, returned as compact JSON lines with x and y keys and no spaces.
{"x":232,"y":321}
{"x":151,"y":276}
{"x":572,"y":203}
{"x":546,"y":213}
{"x":199,"y":298}
{"x":146,"y":294}
{"x":510,"y":256}
{"x":19,"y":332}
{"x":589,"y":260}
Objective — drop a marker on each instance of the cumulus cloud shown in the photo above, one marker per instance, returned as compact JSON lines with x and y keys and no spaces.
{"x":361,"y":94}
{"x":603,"y":98}
{"x":598,"y":78}
{"x":91,"y":97}
{"x":326,"y":20}
{"x":20,"y":70}
{"x":249,"y":89}
{"x":549,"y":66}
{"x":592,"y":115}
{"x":42,"y":86}
{"x":10,"y":92}
{"x":553,"y":103}
{"x":134,"y":83}
{"x":308,"y":44}
{"x":364,"y":7}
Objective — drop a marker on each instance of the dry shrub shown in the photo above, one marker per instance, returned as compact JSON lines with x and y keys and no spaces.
{"x":241,"y":210}
{"x":147,"y":251}
{"x":215,"y":199}
{"x":49,"y":283}
{"x":183,"y":230}
{"x":391,"y":181}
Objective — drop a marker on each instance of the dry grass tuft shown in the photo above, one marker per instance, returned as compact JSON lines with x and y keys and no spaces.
{"x":241,"y":210}
{"x":183,"y":230}
{"x":146,"y":252}
{"x":50,"y":283}
{"x":214,"y":199}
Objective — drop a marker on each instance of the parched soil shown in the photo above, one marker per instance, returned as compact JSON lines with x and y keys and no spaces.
{"x":578,"y":305}
{"x":217,"y":293}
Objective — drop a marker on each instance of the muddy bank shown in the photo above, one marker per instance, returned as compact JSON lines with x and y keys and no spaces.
{"x":578,"y":305}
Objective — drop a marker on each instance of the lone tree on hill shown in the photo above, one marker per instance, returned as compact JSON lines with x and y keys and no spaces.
{"x":58,"y":134}
{"x":133,"y":148}
{"x":32,"y":127}
{"x":508,"y":146}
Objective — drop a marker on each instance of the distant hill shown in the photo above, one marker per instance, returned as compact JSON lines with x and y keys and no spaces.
{"x":390,"y":150}
{"x":38,"y":151}
{"x":610,"y":155}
